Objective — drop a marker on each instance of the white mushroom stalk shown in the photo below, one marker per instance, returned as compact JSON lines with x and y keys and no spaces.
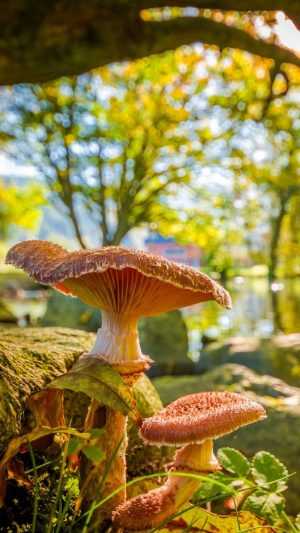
{"x":117,"y":340}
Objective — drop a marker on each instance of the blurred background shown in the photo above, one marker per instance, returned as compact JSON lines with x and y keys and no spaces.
{"x":194,"y":154}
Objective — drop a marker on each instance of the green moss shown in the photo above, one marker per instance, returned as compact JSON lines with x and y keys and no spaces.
{"x":29,"y":359}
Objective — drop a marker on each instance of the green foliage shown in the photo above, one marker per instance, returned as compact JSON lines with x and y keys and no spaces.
{"x":19,"y":208}
{"x":256,"y":486}
{"x":247,"y":500}
{"x":89,"y":445}
{"x":260,"y":103}
{"x":112,"y":144}
{"x":234,"y":461}
{"x":270,"y":505}
{"x":269,"y":472}
{"x":93,"y":453}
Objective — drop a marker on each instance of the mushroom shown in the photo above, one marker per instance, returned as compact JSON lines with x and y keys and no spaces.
{"x":193,"y":420}
{"x":125,"y":284}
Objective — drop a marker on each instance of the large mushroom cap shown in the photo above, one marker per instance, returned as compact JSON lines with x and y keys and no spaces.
{"x":202,"y":416}
{"x":117,"y":279}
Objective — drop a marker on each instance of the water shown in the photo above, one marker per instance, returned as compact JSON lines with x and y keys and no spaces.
{"x":257,"y":311}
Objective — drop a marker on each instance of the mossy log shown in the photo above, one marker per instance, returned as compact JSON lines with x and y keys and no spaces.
{"x":29,"y":360}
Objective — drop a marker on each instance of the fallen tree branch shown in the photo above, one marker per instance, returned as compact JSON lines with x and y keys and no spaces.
{"x":51,"y":39}
{"x":169,"y":34}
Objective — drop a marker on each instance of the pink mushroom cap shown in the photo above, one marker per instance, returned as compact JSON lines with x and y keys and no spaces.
{"x":198,"y":417}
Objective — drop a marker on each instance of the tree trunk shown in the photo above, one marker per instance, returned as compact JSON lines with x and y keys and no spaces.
{"x":275,"y":236}
{"x":75,"y":223}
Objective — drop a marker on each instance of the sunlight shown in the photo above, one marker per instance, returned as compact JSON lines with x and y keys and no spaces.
{"x":287,"y":32}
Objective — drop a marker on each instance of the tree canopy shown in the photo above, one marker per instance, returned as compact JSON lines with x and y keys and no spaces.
{"x":111,"y":145}
{"x":202,"y":145}
{"x":19,"y":207}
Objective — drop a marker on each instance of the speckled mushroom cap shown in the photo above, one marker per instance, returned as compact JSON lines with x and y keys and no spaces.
{"x":117,"y":279}
{"x":144,"y":511}
{"x":202,"y":416}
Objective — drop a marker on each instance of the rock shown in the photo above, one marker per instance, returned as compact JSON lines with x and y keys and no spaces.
{"x":278,"y":356}
{"x":29,"y":359}
{"x":165,"y":339}
{"x":71,"y":312}
{"x":278,"y":434}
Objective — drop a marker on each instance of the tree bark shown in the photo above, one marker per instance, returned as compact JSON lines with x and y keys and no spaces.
{"x":275,"y":236}
{"x":45,"y":40}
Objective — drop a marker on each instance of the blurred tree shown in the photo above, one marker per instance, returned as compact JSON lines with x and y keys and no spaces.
{"x":265,"y":145}
{"x":19,"y":207}
{"x":111,"y":145}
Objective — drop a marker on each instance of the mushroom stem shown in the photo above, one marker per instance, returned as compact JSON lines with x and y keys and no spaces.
{"x":199,"y":457}
{"x":117,"y":340}
{"x":98,"y":483}
{"x":150,"y":510}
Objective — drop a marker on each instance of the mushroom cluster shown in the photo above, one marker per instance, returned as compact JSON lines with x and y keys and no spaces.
{"x":192,"y":421}
{"x":125,"y":285}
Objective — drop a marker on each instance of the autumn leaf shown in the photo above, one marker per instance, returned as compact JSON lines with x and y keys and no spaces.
{"x":100,"y":382}
{"x":198,"y":519}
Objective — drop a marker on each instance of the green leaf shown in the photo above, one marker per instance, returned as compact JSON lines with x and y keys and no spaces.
{"x":97,"y":432}
{"x":268,"y":472}
{"x":266,"y":504}
{"x":212,"y":491}
{"x":100,"y":382}
{"x":234,"y":461}
{"x":74,"y":445}
{"x":94,"y":453}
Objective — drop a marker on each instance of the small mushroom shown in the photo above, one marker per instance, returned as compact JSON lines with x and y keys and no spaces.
{"x":125,"y":284}
{"x":193,"y":420}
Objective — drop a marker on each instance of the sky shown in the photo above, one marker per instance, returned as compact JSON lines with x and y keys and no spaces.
{"x":287,"y":32}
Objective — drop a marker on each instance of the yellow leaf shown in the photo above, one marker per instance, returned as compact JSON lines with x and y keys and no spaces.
{"x":198,"y":519}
